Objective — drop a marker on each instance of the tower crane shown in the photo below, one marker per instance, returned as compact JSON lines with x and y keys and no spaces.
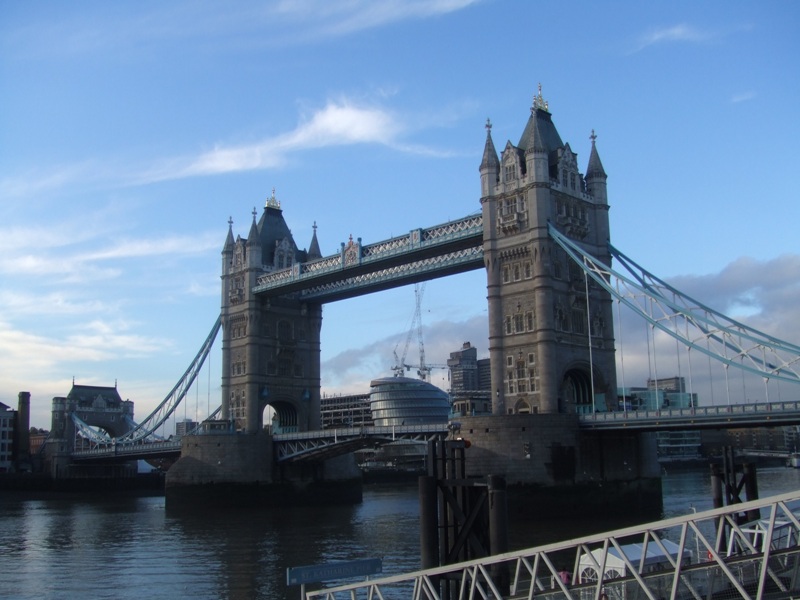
{"x":401,"y":366}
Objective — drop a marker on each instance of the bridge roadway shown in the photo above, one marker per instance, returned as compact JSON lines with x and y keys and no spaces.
{"x":327,"y":443}
{"x":749,"y":550}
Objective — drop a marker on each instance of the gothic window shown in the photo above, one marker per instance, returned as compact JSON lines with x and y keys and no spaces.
{"x":520,"y":204}
{"x":506,"y":274}
{"x":531,"y":360}
{"x":284,"y":331}
{"x":508,"y":325}
{"x":520,"y":370}
{"x":522,"y":387}
{"x":508,"y":206}
{"x":510,"y":385}
{"x":529,"y":322}
{"x":509,"y":360}
{"x":510,"y":171}
{"x":564,"y":178}
{"x":528,"y":272}
{"x":578,"y":321}
{"x":516,"y":273}
{"x":557,"y":269}
{"x":561,"y":319}
{"x":572,"y":180}
{"x":518,"y":323}
{"x":284,"y":367}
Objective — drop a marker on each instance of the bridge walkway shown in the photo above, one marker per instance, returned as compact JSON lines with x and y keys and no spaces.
{"x":749,"y":550}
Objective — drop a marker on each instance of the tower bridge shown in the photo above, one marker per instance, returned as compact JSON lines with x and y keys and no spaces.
{"x":543,"y":238}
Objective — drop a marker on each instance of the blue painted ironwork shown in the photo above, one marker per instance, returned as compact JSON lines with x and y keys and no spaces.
{"x":145,"y":431}
{"x":423,"y":254}
{"x":687,"y":320}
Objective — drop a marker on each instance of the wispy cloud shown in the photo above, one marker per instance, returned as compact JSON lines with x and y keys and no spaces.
{"x":675,"y":33}
{"x":277,"y":22}
{"x":350,"y":16}
{"x":66,"y":261}
{"x":339,"y":123}
{"x":743,"y":96}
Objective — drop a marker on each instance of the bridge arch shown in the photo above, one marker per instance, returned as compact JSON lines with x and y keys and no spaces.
{"x":285,"y":419}
{"x":575,"y":391}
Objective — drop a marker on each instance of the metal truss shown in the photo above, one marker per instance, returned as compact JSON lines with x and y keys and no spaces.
{"x":749,"y":550}
{"x":318,"y":445}
{"x":87,"y":432}
{"x":402,"y":274}
{"x":687,"y":320}
{"x":443,"y":244}
{"x":145,"y":431}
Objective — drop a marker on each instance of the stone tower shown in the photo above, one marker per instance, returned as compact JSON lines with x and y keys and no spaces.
{"x":551,"y":339}
{"x":270,"y":346}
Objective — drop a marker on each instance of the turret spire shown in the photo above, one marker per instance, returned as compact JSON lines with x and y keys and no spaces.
{"x":490,"y":160}
{"x":595,"y":168}
{"x":313,"y":249}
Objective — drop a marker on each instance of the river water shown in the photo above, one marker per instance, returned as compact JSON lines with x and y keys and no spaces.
{"x":133,"y":548}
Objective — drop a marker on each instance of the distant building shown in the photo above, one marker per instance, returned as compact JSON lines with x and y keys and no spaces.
{"x":661,"y":394}
{"x":470,"y":382}
{"x":405,"y":401}
{"x":7,"y":421}
{"x":184,"y":427}
{"x":345,"y":411}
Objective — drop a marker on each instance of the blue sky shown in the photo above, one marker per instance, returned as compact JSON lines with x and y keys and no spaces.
{"x":131,"y":131}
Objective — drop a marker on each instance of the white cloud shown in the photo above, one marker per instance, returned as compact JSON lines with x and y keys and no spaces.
{"x":743,"y":96}
{"x":339,"y":123}
{"x":349,"y":16}
{"x":676,"y":33}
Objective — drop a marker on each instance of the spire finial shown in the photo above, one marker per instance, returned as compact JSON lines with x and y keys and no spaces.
{"x":539,"y":101}
{"x":314,"y":226}
{"x":488,"y":125}
{"x":272,"y":201}
{"x":593,"y":137}
{"x":230,"y":222}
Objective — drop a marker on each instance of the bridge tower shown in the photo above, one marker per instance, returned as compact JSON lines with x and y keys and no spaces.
{"x":270,"y":347}
{"x":551,"y":340}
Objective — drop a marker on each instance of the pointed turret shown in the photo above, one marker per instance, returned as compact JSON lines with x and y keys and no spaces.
{"x":252,"y":237}
{"x":490,"y":165}
{"x":540,"y":133}
{"x":595,"y":175}
{"x":313,"y":250}
{"x":228,"y":247}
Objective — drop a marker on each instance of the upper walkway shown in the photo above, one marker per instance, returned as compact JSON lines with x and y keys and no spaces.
{"x":422,"y":254}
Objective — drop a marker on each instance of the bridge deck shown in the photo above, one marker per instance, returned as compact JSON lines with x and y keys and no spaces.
{"x":701,"y":555}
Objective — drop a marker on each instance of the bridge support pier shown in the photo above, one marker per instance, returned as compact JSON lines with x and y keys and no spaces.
{"x":237,"y":469}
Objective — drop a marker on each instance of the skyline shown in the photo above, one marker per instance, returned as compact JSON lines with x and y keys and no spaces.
{"x":133,"y":132}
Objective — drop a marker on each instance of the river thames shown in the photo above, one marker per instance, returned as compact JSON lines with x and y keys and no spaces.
{"x":133,"y":548}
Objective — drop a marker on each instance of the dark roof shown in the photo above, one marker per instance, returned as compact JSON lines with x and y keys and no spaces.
{"x":540,"y":133}
{"x":88,"y":393}
{"x":272,"y":228}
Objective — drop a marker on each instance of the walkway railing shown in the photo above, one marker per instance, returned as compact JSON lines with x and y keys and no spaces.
{"x":748,"y":550}
{"x":740,"y":415}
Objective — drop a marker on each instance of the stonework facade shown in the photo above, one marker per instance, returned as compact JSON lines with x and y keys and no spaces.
{"x":551,"y":340}
{"x":270,"y":347}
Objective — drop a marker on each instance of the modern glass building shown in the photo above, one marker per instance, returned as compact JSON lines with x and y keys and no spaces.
{"x":405,"y":401}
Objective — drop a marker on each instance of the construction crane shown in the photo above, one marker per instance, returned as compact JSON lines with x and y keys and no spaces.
{"x":401,"y":366}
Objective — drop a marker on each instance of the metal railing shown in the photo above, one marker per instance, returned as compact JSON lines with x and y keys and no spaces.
{"x":748,"y":550}
{"x":741,"y":415}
